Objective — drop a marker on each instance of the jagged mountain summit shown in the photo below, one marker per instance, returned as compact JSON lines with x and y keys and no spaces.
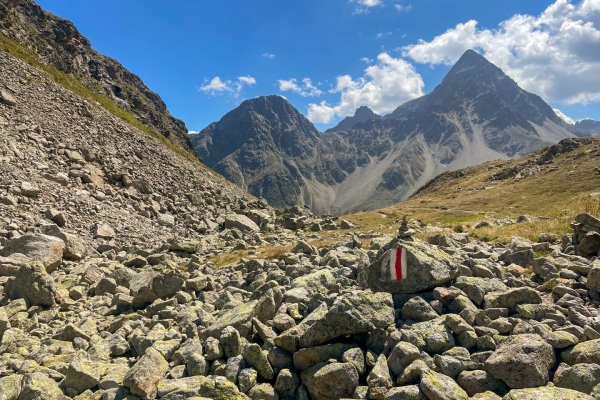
{"x":589,"y":126}
{"x":476,"y":114}
{"x":362,"y":114}
{"x":57,"y":42}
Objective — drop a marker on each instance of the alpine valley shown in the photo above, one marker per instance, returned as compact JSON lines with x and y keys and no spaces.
{"x":476,"y":114}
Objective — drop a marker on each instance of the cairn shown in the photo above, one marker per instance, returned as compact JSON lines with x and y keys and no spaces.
{"x":405,"y":231}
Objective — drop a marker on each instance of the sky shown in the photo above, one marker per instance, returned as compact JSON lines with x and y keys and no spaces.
{"x":328,"y":57}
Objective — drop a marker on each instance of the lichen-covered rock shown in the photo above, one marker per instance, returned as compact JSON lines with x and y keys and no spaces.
{"x":380,"y":377}
{"x":587,"y":352}
{"x":546,"y":393}
{"x":476,"y":288}
{"x":241,"y":222}
{"x":522,"y":361}
{"x":239,"y":317}
{"x":432,"y":336}
{"x":83,"y":373}
{"x":479,"y":381}
{"x":257,"y":358}
{"x":511,"y":298}
{"x":33,"y":284}
{"x":581,"y":377}
{"x":142,"y":379}
{"x":354,"y":313}
{"x":317,"y":282}
{"x":330,"y":381}
{"x":440,"y":387}
{"x":409,"y":392}
{"x":38,"y":386}
{"x":427,"y":267}
{"x":10,"y":387}
{"x":417,"y":309}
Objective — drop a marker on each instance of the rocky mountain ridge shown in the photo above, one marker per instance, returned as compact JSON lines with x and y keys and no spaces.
{"x":475,"y":115}
{"x":57,"y":42}
{"x":588,"y":125}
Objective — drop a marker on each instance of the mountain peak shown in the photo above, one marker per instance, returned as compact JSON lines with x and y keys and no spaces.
{"x":472,"y":61}
{"x":362,"y":114}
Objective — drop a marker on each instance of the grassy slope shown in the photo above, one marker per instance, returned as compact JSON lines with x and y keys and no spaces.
{"x":459,"y":203}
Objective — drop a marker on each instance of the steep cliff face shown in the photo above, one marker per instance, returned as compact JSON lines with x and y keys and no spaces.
{"x":476,"y":114}
{"x":57,"y":42}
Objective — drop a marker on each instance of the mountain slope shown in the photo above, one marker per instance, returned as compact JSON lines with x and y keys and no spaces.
{"x":57,"y":42}
{"x":589,"y":126}
{"x":475,"y":115}
{"x":362,"y":114}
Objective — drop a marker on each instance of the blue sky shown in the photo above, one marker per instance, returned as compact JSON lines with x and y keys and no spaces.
{"x":327,"y":57}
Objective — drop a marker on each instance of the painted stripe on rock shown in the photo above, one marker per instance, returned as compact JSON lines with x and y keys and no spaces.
{"x":398,"y":265}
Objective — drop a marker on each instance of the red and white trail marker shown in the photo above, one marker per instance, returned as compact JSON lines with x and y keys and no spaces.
{"x":398,"y":265}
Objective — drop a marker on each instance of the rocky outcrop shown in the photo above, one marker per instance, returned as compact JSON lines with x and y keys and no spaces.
{"x":362,"y":114}
{"x":57,"y":42}
{"x":589,"y":126}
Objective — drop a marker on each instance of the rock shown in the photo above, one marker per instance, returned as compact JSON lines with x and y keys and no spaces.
{"x":7,"y":98}
{"x":587,"y":352}
{"x":330,"y":381}
{"x":593,"y":279}
{"x":257,"y":358}
{"x":44,"y":248}
{"x":581,"y":377}
{"x":511,"y":298}
{"x":166,"y":220}
{"x":29,"y":190}
{"x":587,"y":219}
{"x":83,"y":374}
{"x":103,"y":231}
{"x":316,"y":282}
{"x":409,"y":392}
{"x":522,"y":361}
{"x":401,"y":356}
{"x":240,"y":222}
{"x":354,"y":313}
{"x":264,"y":391}
{"x":10,"y":387}
{"x":432,"y":336}
{"x":239,"y":318}
{"x":479,"y":381}
{"x":440,"y":387}
{"x":590,"y":245}
{"x":33,"y":284}
{"x":427,"y":267}
{"x":38,"y":386}
{"x":418,"y":310}
{"x":379,"y":377}
{"x":546,"y":393}
{"x":142,"y":379}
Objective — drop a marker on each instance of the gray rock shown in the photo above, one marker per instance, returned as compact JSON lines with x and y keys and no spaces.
{"x":330,"y":381}
{"x":522,"y":361}
{"x":241,"y":222}
{"x":38,"y":386}
{"x":511,"y":298}
{"x":427,"y":267}
{"x":354,"y":313}
{"x":581,"y":377}
{"x":440,"y":387}
{"x":479,"y":381}
{"x":44,"y":248}
{"x":417,"y":309}
{"x":7,"y":98}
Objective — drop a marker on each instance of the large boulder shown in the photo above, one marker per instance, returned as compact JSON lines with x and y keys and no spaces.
{"x":357,"y":312}
{"x":330,"y":381}
{"x":426,"y":267}
{"x":38,"y":386}
{"x":581,"y":377}
{"x":522,"y":361}
{"x":44,"y":248}
{"x":241,"y":222}
{"x":33,"y":284}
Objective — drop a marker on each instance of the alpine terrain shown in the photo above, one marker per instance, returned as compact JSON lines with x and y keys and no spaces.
{"x":475,"y":115}
{"x":588,"y":125}
{"x":131,"y":271}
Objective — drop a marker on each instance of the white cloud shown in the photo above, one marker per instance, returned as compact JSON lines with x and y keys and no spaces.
{"x":366,"y":60}
{"x":383,"y":87}
{"x":369,"y":3}
{"x":400,"y":7}
{"x":268,"y":55}
{"x":555,"y":54}
{"x":191,"y":132}
{"x":217,"y":86}
{"x":365,"y":5}
{"x":564,"y":116}
{"x":304,"y":89}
